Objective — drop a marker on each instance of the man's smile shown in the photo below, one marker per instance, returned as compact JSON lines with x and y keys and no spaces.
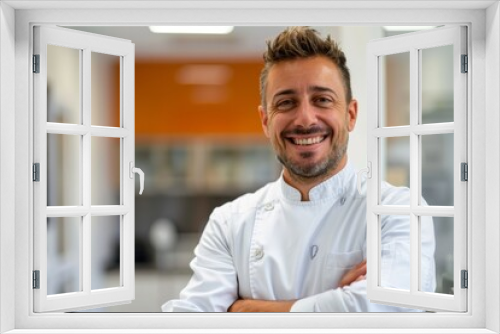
{"x":307,"y":141}
{"x":306,"y":137}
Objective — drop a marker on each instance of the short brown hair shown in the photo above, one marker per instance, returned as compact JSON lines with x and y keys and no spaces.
{"x":302,"y":42}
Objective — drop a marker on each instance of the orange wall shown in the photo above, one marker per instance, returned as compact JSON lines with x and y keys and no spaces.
{"x":165,"y":107}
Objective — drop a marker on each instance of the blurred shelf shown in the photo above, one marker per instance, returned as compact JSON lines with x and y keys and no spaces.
{"x":206,"y":167}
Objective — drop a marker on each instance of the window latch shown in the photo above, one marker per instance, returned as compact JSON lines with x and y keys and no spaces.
{"x":133,"y":170}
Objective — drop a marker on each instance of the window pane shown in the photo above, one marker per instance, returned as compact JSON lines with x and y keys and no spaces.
{"x":105,"y":171}
{"x":437,"y":84}
{"x":105,"y":90}
{"x":437,"y":169}
{"x":438,"y":232}
{"x":63,"y":255}
{"x":63,"y":170}
{"x":395,"y":161}
{"x":395,"y":89}
{"x":105,"y":252}
{"x":63,"y":85}
{"x":395,"y":252}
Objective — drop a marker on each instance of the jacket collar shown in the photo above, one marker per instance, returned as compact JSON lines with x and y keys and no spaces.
{"x":336,"y":187}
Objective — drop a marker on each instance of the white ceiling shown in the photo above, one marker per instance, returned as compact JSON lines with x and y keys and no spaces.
{"x":243,"y":43}
{"x":242,"y":4}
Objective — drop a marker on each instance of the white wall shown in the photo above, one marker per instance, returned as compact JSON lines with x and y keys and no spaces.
{"x":353,"y":41}
{"x":492,"y":100}
{"x":128,"y":321}
{"x":7,"y":160}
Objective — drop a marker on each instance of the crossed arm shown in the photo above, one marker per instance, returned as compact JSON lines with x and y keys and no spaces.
{"x":256,"y":305}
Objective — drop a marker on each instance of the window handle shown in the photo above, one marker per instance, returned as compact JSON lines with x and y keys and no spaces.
{"x":368,"y":171}
{"x":141,"y":175}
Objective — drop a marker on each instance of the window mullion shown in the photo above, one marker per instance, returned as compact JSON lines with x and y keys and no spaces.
{"x":86,"y":170}
{"x":414,"y":169}
{"x":102,"y":131}
{"x":438,"y":211}
{"x":66,"y":129}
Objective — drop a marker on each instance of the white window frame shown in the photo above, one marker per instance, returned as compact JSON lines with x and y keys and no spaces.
{"x":17,"y":19}
{"x":86,"y":44}
{"x":413,"y":44}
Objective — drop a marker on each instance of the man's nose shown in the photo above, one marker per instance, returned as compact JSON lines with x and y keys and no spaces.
{"x":306,"y":115}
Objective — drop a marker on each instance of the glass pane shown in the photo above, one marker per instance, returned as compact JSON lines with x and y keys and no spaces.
{"x":105,"y":171}
{"x":63,"y":85}
{"x":395,"y":252}
{"x":436,"y":268}
{"x":63,"y":170}
{"x":105,"y":89}
{"x":395,"y":161}
{"x":105,"y":252}
{"x":437,"y":84}
{"x":437,"y":169}
{"x":395,"y":89}
{"x":63,"y":255}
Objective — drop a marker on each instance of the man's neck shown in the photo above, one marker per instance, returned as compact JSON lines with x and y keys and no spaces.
{"x":304,"y":184}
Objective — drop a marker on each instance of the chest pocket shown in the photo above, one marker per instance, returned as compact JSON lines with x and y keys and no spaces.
{"x":336,"y":265}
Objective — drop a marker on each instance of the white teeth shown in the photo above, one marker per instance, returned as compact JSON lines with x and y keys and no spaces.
{"x":307,"y":141}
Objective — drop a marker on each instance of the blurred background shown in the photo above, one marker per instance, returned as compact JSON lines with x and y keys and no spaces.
{"x":200,"y":144}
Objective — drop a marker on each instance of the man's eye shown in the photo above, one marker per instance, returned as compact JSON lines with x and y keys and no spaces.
{"x":323,"y":101}
{"x":285,"y":104}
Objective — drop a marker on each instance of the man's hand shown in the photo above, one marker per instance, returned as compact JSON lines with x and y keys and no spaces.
{"x":355,"y":274}
{"x":257,"y":305}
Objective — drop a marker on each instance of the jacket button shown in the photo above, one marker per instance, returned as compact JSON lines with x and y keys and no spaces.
{"x":342,"y":201}
{"x":269,"y":206}
{"x":259,"y":253}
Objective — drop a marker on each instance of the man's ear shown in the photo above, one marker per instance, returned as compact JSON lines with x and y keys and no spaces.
{"x":263,"y":120}
{"x":352,"y":111}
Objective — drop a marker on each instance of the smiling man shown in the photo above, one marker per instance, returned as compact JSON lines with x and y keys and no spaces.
{"x":299,"y":243}
{"x":308,"y":112}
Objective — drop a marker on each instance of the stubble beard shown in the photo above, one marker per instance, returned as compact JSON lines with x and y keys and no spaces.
{"x":313,"y":171}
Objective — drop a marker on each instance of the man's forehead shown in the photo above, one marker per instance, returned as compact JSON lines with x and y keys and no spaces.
{"x":304,"y":75}
{"x":304,"y":66}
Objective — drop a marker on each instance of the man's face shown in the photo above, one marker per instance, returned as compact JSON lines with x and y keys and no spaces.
{"x":307,"y":117}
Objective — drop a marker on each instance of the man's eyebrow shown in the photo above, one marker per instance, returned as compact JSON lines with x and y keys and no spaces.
{"x":322,"y":89}
{"x":285,"y":92}
{"x":314,"y":89}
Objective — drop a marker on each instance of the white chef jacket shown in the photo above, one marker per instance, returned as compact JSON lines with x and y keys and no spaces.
{"x":271,"y":245}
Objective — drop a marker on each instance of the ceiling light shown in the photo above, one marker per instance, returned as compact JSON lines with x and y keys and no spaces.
{"x":191,"y":29}
{"x":407,"y":28}
{"x":204,"y":75}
